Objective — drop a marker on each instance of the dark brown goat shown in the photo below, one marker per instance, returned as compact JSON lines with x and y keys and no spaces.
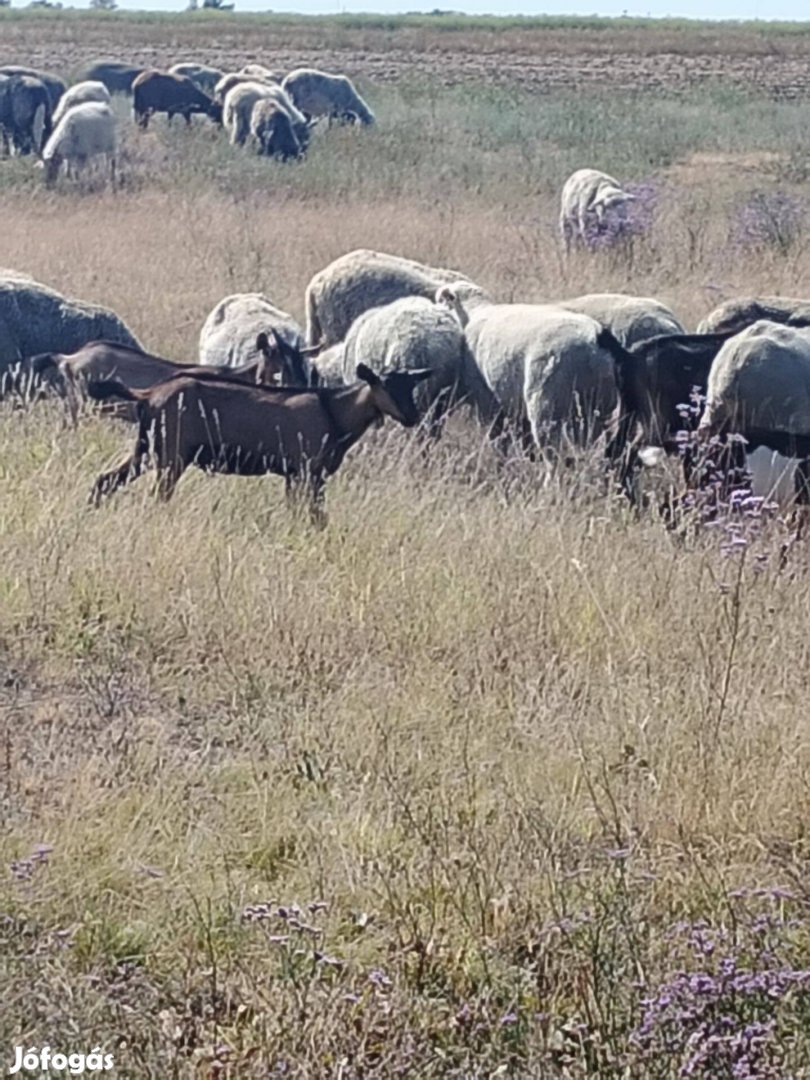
{"x":222,"y":426}
{"x":69,"y":373}
{"x":157,"y":91}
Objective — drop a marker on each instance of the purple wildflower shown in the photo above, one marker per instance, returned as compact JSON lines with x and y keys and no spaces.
{"x":769,"y":219}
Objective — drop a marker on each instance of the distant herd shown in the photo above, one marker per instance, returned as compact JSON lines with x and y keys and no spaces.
{"x":69,"y":127}
{"x":389,"y":337}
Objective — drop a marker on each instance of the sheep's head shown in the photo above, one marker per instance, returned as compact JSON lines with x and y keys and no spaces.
{"x":611,"y":201}
{"x":447,"y":297}
{"x":51,"y":168}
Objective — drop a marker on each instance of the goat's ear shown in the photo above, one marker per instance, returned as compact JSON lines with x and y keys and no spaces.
{"x":420,"y":374}
{"x":367,"y":375}
{"x":262,"y":344}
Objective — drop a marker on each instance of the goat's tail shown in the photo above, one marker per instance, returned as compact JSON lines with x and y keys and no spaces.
{"x":606,"y":340}
{"x":42,"y":363}
{"x":104,"y":389}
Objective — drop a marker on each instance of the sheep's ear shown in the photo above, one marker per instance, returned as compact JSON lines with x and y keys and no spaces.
{"x":367,"y":375}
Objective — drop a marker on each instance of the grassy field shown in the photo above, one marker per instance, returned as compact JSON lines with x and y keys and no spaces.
{"x":489,"y":778}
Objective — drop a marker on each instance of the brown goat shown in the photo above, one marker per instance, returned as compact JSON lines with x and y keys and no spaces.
{"x":158,"y":91}
{"x":222,"y":426}
{"x":69,"y":373}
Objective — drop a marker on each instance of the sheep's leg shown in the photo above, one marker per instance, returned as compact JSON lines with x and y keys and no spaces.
{"x":113,"y":179}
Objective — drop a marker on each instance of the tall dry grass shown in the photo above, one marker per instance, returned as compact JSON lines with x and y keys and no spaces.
{"x":494,"y":736}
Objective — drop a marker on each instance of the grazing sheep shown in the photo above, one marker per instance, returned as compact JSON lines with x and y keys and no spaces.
{"x":175,"y":95}
{"x":549,"y":371}
{"x":36,"y":319}
{"x":590,"y":199}
{"x":408,"y":334}
{"x":317,"y":93}
{"x":204,"y":78}
{"x":25,"y":113}
{"x":238,"y":109}
{"x":630,"y":319}
{"x":259,"y":71}
{"x":229,"y":334}
{"x":327,"y":368}
{"x":235,"y":78}
{"x":117,"y":77}
{"x":744,"y":311}
{"x":78,"y":95}
{"x":272,"y":130}
{"x":223,"y":426}
{"x":361,"y":280}
{"x":759,"y":387}
{"x":55,"y":86}
{"x":84,"y":132}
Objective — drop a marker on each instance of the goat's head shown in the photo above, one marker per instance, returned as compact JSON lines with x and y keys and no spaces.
{"x":270,"y":365}
{"x":293,"y":367}
{"x":393,"y":392}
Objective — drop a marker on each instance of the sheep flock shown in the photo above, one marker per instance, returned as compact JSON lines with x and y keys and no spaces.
{"x":603,"y":370}
{"x":68,"y":128}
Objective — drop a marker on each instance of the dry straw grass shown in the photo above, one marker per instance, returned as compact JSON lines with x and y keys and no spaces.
{"x":506,"y":733}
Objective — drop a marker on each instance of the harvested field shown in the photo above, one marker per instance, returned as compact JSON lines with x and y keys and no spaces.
{"x":538,"y":59}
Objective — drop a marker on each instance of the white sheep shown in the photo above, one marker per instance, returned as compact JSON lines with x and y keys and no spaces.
{"x":238,"y":108}
{"x":84,"y":132}
{"x":205,"y":78}
{"x":760,"y":383}
{"x":364,"y":279}
{"x":81,"y":92}
{"x":317,"y":93}
{"x":549,"y":371}
{"x":272,"y":130}
{"x":744,"y":311}
{"x":230,"y":332}
{"x":631,"y":319}
{"x":759,"y":388}
{"x":590,"y":199}
{"x":235,"y":78}
{"x":259,"y":71}
{"x":409,"y":334}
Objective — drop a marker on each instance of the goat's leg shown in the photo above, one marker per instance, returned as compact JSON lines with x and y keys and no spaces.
{"x":168,"y":473}
{"x":317,"y":512}
{"x":294,"y":487}
{"x":110,"y":481}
